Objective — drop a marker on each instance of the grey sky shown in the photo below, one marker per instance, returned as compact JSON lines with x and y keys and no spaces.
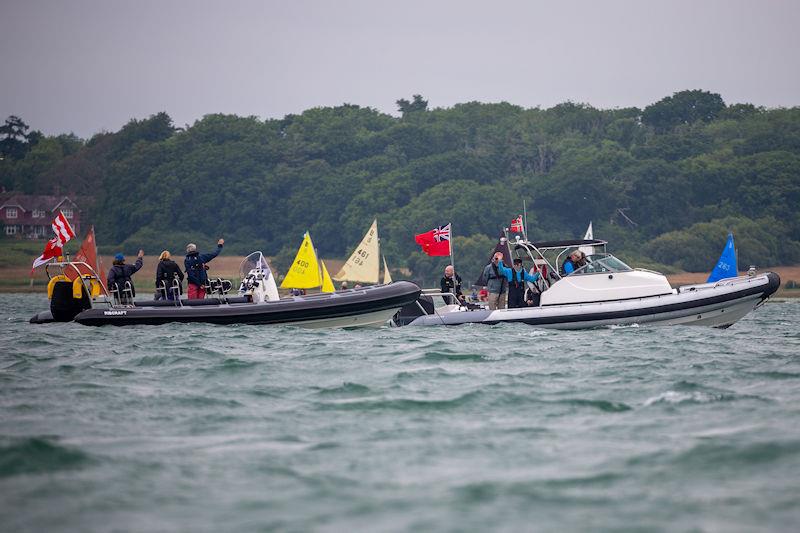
{"x":85,"y":66}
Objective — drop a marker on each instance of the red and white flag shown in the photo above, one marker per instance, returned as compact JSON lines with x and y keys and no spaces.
{"x":62,"y":229}
{"x":516,"y":224}
{"x":436,"y":241}
{"x":53,"y":248}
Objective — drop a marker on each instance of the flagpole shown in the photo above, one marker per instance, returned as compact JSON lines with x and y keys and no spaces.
{"x":525,"y":220}
{"x":452,"y":262}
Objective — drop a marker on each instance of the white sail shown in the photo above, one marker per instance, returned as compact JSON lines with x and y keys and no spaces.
{"x":588,"y":250}
{"x":364,"y":265}
{"x":387,"y":277}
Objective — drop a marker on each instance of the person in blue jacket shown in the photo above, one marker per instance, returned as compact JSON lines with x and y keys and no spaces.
{"x":195,"y":264}
{"x":516,"y":282}
{"x":575,"y":261}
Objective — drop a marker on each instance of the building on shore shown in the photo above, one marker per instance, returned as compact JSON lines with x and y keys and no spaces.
{"x":29,"y":216}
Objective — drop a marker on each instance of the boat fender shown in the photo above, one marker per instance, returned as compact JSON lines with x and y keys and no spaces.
{"x":52,"y":283}
{"x":97,"y":288}
{"x":77,"y":288}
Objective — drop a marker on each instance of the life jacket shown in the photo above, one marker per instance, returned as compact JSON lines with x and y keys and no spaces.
{"x":563,"y":269}
{"x":195,"y":269}
{"x":517,"y":283}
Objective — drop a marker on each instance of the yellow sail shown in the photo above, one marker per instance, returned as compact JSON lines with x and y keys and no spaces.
{"x":364,"y":265}
{"x":304,"y":272}
{"x":327,"y":284}
{"x":387,"y":278}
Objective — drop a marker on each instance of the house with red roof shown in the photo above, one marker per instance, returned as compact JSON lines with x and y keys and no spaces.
{"x":30,"y":216}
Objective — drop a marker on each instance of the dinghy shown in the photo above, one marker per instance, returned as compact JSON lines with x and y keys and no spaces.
{"x":76,"y":294}
{"x":307,"y":272}
{"x":363,"y":265}
{"x":606,"y":292}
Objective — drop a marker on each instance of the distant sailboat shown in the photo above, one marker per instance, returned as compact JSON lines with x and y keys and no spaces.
{"x":387,"y":277}
{"x":327,"y":284}
{"x":364,"y":263}
{"x":88,"y":254}
{"x":307,"y":272}
{"x":589,"y":235}
{"x":726,"y":266}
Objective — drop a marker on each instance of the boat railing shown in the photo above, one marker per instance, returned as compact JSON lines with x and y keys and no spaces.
{"x":123,"y":298}
{"x":69,"y":266}
{"x":446,"y":296}
{"x":175,"y":290}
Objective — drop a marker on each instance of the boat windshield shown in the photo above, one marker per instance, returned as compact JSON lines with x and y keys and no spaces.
{"x":599,"y":263}
{"x":256,"y":260}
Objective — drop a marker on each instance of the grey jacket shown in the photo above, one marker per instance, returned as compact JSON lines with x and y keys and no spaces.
{"x":495,"y":283}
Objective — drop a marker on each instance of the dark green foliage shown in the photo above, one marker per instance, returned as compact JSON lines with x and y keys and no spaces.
{"x":663,"y":185}
{"x":15,"y":141}
{"x":758,"y":242}
{"x":685,"y":107}
{"x":415,"y":106}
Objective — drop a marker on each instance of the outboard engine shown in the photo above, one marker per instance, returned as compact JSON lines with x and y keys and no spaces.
{"x":411,"y":311}
{"x":67,"y":300}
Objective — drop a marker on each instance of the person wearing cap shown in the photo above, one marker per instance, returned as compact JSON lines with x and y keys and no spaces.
{"x":516,"y":277}
{"x":166,"y":273}
{"x":119,"y":277}
{"x":196,"y":267}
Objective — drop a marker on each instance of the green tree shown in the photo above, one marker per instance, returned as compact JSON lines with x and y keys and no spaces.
{"x":14,"y":138}
{"x":417,"y":105}
{"x":684,"y":107}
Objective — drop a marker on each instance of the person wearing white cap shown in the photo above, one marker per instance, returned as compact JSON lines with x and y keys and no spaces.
{"x":196,"y":267}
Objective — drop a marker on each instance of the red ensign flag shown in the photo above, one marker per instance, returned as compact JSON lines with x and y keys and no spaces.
{"x":435,"y":241}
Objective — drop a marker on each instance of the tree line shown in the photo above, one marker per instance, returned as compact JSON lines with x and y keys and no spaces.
{"x":663,"y":184}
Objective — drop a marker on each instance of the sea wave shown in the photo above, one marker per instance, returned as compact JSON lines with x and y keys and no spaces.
{"x":38,"y":455}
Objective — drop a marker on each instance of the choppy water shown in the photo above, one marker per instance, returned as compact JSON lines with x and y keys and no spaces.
{"x":508,"y":428}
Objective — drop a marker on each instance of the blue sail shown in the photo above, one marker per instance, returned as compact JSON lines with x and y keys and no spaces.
{"x":726,"y":266}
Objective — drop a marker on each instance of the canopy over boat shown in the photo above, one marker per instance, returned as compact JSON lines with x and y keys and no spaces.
{"x":569,"y":243}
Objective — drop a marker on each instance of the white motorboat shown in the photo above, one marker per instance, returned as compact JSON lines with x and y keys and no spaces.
{"x":605,"y":292}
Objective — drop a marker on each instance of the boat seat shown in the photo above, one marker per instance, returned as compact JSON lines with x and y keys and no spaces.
{"x":239,"y":300}
{"x":193,"y":303}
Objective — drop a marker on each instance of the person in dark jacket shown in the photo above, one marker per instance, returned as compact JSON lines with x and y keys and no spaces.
{"x":516,"y":282}
{"x":451,"y":282}
{"x":166,"y":272}
{"x":196,"y":267}
{"x":120,"y":276}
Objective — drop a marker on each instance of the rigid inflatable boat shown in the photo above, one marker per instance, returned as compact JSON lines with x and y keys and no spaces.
{"x":80,"y":297}
{"x":605,"y":292}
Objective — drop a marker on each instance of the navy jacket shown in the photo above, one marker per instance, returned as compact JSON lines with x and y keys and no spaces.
{"x":195,"y":266}
{"x":119,"y":274}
